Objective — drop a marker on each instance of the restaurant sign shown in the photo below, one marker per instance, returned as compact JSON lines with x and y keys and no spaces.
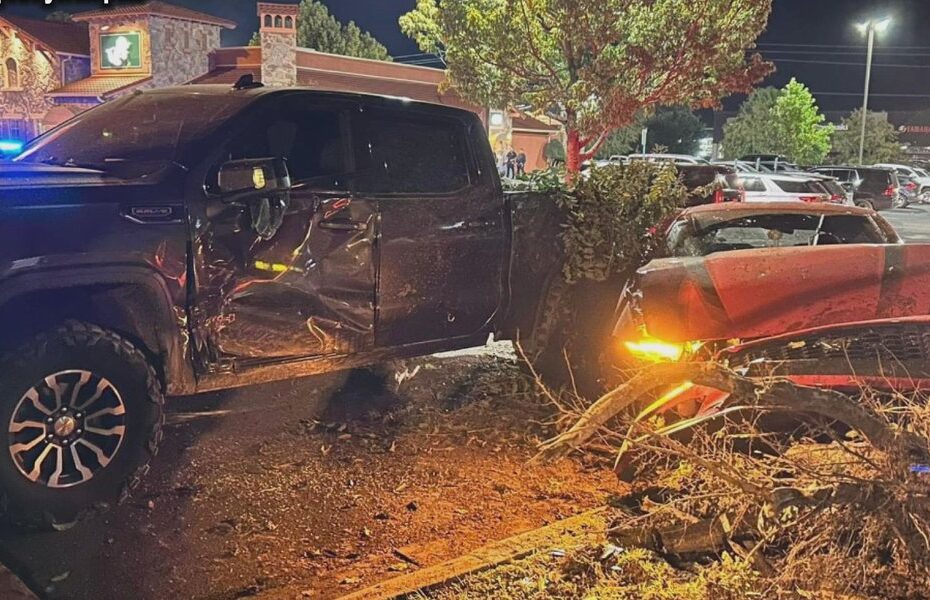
{"x":121,"y":51}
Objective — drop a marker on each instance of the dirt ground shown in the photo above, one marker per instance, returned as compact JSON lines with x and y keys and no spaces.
{"x":318,"y":487}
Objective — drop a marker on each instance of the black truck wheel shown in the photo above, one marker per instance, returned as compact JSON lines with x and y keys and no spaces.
{"x":567,"y":342}
{"x":80,"y":418}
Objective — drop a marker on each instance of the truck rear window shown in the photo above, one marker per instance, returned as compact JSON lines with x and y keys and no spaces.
{"x":403,"y":154}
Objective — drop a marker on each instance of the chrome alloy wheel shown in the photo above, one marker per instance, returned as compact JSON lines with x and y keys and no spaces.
{"x":67,"y":428}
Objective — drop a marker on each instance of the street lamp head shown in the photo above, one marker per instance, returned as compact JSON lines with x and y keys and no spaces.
{"x":876,"y":25}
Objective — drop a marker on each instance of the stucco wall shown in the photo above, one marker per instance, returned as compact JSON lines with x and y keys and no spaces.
{"x":180,"y":50}
{"x":279,"y":59}
{"x":38,"y":73}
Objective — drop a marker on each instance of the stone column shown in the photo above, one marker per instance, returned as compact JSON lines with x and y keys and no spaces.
{"x":279,"y":43}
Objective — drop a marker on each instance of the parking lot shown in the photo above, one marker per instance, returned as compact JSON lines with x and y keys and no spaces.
{"x":913,"y":222}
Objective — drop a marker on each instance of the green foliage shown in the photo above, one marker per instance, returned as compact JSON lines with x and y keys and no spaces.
{"x":801,"y":134}
{"x":612,"y":215}
{"x":785,"y":122}
{"x":594,"y":64}
{"x":881,"y":140}
{"x":676,"y":128}
{"x":554,"y":152}
{"x":752,"y":130}
{"x":318,"y":30}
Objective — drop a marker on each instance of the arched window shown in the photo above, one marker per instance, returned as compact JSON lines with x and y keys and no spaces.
{"x":278,"y":22}
{"x":12,"y":73}
{"x":288,"y":23}
{"x":267,"y":20}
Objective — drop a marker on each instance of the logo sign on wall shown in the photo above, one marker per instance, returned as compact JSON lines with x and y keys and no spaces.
{"x":121,"y":51}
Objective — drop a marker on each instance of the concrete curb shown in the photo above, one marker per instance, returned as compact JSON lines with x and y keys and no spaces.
{"x":588,"y":526}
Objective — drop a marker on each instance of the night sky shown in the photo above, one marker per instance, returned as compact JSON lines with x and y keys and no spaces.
{"x":799,"y":30}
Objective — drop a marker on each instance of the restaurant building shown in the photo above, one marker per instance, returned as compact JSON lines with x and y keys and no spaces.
{"x":56,"y":70}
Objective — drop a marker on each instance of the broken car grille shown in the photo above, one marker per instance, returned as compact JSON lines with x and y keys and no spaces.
{"x":901,"y":342}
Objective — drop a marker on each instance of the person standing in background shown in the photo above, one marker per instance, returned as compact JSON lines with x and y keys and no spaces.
{"x":511,"y":163}
{"x":521,"y":162}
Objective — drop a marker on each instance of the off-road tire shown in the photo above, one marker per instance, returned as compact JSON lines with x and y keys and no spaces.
{"x":85,"y":347}
{"x":567,"y":342}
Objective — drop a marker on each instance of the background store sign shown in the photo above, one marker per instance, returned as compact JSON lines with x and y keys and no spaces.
{"x":121,"y":51}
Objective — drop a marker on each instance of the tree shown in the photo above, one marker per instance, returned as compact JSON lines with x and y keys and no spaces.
{"x":593,"y":64}
{"x":752,"y":130}
{"x":785,"y":122}
{"x":800,"y":133}
{"x":674,"y":128}
{"x":881,"y":139}
{"x":318,"y":30}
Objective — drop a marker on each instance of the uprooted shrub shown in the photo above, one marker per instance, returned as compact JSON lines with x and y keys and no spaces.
{"x":611,"y":215}
{"x":835,"y":501}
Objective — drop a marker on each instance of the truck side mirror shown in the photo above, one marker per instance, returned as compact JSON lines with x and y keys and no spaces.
{"x":262,"y":185}
{"x":239,"y":180}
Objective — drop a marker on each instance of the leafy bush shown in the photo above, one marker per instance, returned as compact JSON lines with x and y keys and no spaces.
{"x":613,"y":213}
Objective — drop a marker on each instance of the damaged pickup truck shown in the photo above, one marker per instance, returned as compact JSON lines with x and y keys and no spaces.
{"x":192,"y":239}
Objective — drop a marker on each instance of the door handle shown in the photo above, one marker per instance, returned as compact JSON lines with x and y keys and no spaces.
{"x":344,"y":225}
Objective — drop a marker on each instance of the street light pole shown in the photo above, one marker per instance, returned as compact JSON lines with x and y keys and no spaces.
{"x":869,"y":28}
{"x":865,"y":96}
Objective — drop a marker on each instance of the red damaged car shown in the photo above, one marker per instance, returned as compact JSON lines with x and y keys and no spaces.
{"x":823,"y":294}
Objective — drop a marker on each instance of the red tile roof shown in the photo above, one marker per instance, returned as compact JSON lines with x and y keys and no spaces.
{"x":99,"y":86}
{"x":67,"y":38}
{"x":156,"y":8}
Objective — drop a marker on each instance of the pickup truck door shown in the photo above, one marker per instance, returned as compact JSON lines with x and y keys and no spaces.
{"x":442,"y":248}
{"x":308,"y":289}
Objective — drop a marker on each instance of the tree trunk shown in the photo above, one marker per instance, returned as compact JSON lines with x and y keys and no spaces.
{"x":573,"y":152}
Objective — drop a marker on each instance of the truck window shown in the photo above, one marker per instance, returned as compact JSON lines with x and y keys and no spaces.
{"x":403,"y":154}
{"x":312,"y":141}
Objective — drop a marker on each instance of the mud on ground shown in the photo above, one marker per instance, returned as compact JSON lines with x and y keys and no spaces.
{"x":318,"y":487}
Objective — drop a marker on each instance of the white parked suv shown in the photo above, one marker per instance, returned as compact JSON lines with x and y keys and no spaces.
{"x":678,"y":159}
{"x":918,"y":175}
{"x":783,"y":188}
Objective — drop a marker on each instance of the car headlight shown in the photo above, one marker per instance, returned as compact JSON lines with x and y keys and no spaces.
{"x":650,"y":349}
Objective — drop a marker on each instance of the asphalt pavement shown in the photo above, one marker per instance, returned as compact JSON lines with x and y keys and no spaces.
{"x":912,"y":223}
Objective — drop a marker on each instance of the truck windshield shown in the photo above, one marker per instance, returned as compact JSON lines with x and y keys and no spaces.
{"x":140,"y":128}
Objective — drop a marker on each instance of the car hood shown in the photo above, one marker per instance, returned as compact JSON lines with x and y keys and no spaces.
{"x":32,"y":175}
{"x":760,"y":293}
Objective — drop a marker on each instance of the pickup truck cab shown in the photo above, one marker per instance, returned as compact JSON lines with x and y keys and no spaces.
{"x":190,"y":239}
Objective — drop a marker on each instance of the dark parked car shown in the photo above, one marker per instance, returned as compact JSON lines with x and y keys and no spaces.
{"x":872,"y":187}
{"x":183,"y":240}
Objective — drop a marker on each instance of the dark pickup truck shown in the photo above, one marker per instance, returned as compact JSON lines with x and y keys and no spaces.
{"x":192,"y":239}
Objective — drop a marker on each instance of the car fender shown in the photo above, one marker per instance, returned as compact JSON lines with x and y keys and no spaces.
{"x":145,"y":305}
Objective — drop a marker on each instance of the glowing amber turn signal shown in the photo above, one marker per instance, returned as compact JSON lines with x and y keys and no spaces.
{"x":655,"y":350}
